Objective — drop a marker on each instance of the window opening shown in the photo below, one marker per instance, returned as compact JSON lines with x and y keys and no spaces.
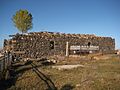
{"x":89,"y":44}
{"x":51,"y":44}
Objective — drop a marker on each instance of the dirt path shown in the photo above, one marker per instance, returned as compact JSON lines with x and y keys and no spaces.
{"x":59,"y":67}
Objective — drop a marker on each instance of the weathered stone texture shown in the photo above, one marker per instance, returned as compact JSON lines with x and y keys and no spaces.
{"x":38,"y":44}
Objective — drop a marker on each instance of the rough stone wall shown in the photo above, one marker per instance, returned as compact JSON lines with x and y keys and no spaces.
{"x":38,"y":44}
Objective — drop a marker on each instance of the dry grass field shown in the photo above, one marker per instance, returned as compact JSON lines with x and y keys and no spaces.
{"x":99,"y":74}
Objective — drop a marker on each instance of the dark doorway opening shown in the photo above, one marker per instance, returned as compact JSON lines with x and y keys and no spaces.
{"x":89,"y":44}
{"x":51,"y":44}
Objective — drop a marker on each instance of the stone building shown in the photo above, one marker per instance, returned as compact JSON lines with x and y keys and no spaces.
{"x":38,"y":44}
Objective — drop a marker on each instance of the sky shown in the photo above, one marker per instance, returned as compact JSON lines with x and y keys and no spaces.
{"x":99,"y":17}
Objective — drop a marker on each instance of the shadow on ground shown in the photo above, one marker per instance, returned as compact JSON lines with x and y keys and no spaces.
{"x":18,"y":69}
{"x":67,"y":87}
{"x":5,"y":84}
{"x":42,"y":76}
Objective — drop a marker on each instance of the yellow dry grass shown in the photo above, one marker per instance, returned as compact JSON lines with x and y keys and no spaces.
{"x":103,"y":74}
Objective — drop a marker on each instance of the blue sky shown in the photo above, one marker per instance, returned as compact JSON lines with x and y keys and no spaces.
{"x":99,"y":17}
